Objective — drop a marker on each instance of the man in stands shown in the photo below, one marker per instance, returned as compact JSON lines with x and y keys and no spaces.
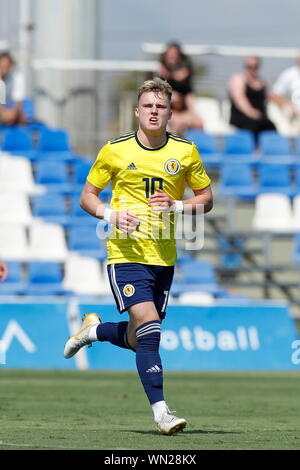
{"x":11,"y":113}
{"x":286,"y":90}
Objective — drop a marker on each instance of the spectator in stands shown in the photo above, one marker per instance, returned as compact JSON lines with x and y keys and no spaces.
{"x":3,"y":271}
{"x":11,"y":113}
{"x":176,"y":68}
{"x":286,"y":90}
{"x":248,"y":94}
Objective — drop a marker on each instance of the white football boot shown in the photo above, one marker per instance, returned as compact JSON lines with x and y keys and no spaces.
{"x":81,"y":338}
{"x":169,"y":423}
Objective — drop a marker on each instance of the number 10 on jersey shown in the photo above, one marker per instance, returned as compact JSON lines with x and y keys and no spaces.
{"x":151,"y":184}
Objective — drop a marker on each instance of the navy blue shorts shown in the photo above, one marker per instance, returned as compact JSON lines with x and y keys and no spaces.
{"x":133,"y":283}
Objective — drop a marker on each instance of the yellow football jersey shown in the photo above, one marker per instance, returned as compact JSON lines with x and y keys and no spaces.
{"x":135,"y":172}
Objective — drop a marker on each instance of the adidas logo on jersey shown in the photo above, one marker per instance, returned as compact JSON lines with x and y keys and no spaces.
{"x":131,"y":167}
{"x":153,"y":369}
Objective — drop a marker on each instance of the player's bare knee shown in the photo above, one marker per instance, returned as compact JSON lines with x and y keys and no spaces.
{"x":142,"y":313}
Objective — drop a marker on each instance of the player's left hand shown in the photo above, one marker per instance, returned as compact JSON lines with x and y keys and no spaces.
{"x":160,"y":201}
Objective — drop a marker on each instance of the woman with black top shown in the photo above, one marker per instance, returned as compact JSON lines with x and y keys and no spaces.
{"x":249,"y":96}
{"x":176,"y":68}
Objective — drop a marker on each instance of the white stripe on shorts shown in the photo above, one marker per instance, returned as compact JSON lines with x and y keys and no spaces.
{"x":116,"y":288}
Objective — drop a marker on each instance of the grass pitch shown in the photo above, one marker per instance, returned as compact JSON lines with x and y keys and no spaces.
{"x":108,"y":410}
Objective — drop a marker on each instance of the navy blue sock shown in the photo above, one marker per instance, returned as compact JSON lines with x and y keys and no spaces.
{"x":115,"y":333}
{"x":148,"y":360}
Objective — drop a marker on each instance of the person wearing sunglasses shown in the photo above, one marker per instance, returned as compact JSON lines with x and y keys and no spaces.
{"x":249,"y":95}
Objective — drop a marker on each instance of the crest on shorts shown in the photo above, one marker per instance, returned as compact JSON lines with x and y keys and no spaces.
{"x":172,"y":166}
{"x":128,"y":290}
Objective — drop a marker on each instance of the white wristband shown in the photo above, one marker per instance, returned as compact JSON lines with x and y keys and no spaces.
{"x":107,"y":214}
{"x":177,"y":206}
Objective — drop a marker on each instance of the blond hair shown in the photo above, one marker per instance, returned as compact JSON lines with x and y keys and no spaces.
{"x":157,"y":85}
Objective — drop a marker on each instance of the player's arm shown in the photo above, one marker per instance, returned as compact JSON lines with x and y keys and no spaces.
{"x":202,"y":197}
{"x":160,"y":201}
{"x":125,"y":220}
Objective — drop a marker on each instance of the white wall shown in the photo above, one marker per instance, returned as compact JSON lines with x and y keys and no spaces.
{"x":65,"y":29}
{"x":9,"y":22}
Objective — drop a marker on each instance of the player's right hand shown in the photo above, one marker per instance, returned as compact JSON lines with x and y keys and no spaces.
{"x":126,"y":221}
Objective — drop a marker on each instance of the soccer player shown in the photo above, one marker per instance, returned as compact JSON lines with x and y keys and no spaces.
{"x":3,"y":271}
{"x":148,"y":170}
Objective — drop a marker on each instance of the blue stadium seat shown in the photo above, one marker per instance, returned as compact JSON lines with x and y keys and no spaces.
{"x":45,"y":278}
{"x":54,"y":140}
{"x":275,"y":148}
{"x":228,"y":259}
{"x":207,"y":146}
{"x":237,"y":180}
{"x":275,"y":178}
{"x":54,"y":175}
{"x":182,"y":255}
{"x":297,"y":177}
{"x":29,"y":109}
{"x":195,"y":275}
{"x":240,"y":143}
{"x":78,"y":215}
{"x":298,"y":146}
{"x":296,"y":251}
{"x":54,"y":144}
{"x":196,"y":271}
{"x":33,"y":124}
{"x":272,"y":143}
{"x":81,"y":170}
{"x":18,"y":141}
{"x":84,"y":240}
{"x":51,"y":207}
{"x":14,"y":284}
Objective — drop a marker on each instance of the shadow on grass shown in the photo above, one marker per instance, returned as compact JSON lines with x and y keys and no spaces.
{"x":188,"y":431}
